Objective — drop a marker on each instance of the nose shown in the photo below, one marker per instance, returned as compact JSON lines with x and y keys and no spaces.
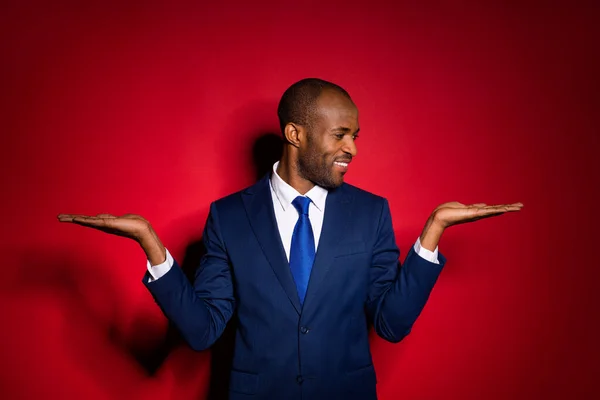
{"x":349,"y":146}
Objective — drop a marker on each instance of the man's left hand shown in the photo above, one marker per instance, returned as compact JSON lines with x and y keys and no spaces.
{"x":454,"y":213}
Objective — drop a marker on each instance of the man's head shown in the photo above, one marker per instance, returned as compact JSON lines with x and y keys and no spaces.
{"x":319,"y":123}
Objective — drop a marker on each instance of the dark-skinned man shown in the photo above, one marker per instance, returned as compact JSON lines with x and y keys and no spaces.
{"x":303,"y":261}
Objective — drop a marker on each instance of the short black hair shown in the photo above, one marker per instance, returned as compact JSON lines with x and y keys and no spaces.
{"x":298,"y":102}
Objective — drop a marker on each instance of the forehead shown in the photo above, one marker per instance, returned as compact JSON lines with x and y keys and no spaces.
{"x":334,"y":108}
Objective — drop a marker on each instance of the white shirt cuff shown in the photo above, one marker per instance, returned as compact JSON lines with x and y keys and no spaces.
{"x":431,"y":256}
{"x":158,"y":271}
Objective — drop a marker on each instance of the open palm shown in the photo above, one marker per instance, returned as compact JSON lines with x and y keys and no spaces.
{"x":454,"y":213}
{"x":132,"y":226}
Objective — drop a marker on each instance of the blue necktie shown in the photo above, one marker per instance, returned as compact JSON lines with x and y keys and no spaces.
{"x":302,"y":251}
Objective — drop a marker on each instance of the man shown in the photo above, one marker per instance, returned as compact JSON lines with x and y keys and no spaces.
{"x":304,"y":261}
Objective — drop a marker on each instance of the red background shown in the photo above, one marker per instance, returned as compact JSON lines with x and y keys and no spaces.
{"x":154,"y":109}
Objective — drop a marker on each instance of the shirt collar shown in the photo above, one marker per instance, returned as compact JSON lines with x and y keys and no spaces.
{"x":286,"y":194}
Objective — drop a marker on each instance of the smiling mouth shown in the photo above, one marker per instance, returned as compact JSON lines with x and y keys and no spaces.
{"x":342,"y":164}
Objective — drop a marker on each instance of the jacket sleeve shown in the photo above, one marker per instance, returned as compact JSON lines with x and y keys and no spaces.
{"x":200,"y":310}
{"x":397,"y":294}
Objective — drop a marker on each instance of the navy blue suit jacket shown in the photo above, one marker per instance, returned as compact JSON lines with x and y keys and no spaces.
{"x":284,"y":350}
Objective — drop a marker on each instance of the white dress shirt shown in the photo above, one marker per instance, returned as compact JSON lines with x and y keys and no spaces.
{"x":287,"y":216}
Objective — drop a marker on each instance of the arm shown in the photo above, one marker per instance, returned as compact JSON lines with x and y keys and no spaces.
{"x":397,"y":295}
{"x":200,"y":311}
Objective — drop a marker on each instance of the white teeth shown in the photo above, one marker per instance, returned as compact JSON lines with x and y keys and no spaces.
{"x":342,"y":164}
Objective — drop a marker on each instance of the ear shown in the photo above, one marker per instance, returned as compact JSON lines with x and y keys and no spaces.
{"x":293,"y":134}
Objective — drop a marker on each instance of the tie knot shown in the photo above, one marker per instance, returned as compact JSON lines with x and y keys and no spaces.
{"x":301,"y":203}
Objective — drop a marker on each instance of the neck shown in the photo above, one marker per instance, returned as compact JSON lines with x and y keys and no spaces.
{"x":288,"y":171}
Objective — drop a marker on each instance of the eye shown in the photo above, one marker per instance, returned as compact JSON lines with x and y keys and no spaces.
{"x":354,"y":137}
{"x":340,"y":136}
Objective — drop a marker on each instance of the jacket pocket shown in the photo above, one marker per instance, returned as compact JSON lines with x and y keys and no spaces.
{"x":363,"y":374}
{"x":243,"y":382}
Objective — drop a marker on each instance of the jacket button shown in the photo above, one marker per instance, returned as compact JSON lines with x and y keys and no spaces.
{"x":299,"y":379}
{"x":304,"y":329}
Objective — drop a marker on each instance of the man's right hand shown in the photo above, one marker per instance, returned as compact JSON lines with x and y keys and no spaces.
{"x":132,"y":226}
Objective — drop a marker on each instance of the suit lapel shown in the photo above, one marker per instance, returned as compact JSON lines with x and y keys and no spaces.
{"x":335,"y":223}
{"x":259,"y":208}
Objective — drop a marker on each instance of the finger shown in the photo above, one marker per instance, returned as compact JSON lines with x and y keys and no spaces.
{"x":68,"y":217}
{"x":519,"y":205}
{"x":478,"y":205}
{"x":514,"y":208}
{"x":105,"y":216}
{"x":135,"y":216}
{"x":511,"y":207}
{"x":94,"y":222}
{"x":496,"y":210}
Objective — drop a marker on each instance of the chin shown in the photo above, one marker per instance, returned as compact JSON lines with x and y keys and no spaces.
{"x":331,"y":183}
{"x":329,"y":180}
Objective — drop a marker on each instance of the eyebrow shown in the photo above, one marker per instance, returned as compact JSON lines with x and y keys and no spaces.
{"x":344,"y":129}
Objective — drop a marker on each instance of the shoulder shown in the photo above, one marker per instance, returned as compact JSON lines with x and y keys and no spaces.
{"x":368,"y":208}
{"x":236,"y":199}
{"x":362,"y":196}
{"x":230,"y":201}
